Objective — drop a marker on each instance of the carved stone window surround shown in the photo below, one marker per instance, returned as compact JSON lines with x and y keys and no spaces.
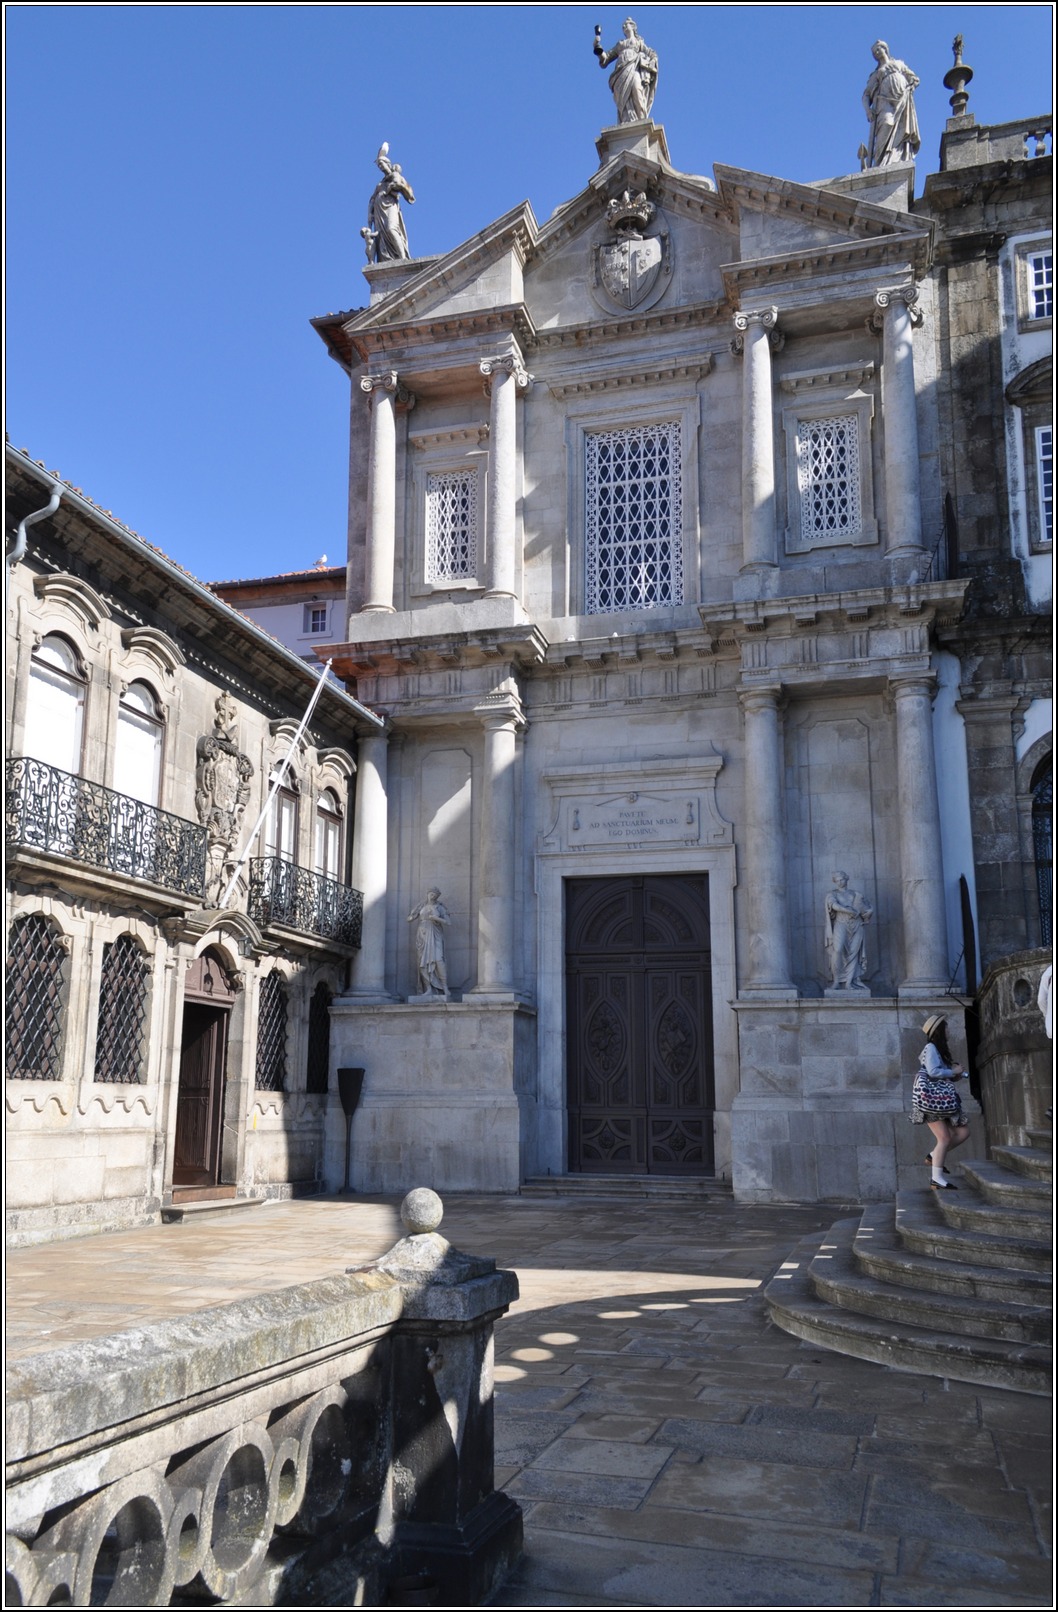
{"x":594,"y":415}
{"x":837,"y":393}
{"x":1030,"y":284}
{"x":435,"y":458}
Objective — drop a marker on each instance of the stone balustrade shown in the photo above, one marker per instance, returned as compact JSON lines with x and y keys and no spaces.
{"x":321,"y":1444}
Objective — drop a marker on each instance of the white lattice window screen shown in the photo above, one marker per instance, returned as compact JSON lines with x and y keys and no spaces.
{"x":1041,"y":285}
{"x":633,"y":519}
{"x":828,"y":476}
{"x":452,"y":526}
{"x":1045,"y":479}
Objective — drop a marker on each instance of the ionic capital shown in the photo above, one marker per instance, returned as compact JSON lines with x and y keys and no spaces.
{"x":388,"y":380}
{"x":507,"y":364}
{"x":766,"y":318}
{"x":887,"y":296}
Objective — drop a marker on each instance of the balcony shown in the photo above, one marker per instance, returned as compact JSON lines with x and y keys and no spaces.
{"x":59,"y":814}
{"x":282,"y":893}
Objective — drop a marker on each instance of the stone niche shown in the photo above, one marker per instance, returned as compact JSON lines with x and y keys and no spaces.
{"x":443,"y":1093}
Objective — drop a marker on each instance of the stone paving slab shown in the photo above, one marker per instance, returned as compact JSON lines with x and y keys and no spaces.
{"x":668,"y":1445}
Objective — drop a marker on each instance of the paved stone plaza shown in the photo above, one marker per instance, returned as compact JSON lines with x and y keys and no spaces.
{"x":669,"y":1447}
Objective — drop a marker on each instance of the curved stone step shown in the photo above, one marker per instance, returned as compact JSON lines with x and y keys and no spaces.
{"x":923,"y":1225}
{"x":970,"y":1212}
{"x":833,"y":1276}
{"x":1037,"y":1136}
{"x":1034,"y":1162}
{"x":999,"y":1185}
{"x":878,"y":1252}
{"x":795,"y":1308}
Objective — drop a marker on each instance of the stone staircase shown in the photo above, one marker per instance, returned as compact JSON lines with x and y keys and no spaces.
{"x":954,"y":1284}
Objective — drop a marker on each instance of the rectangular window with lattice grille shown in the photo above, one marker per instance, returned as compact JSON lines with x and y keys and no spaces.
{"x":121,"y":1034}
{"x":271,"y":1067}
{"x":633,"y":518}
{"x":828,"y":477}
{"x":452,"y":526}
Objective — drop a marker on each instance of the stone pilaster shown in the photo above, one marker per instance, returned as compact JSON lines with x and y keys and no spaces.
{"x":764,"y":864}
{"x":502,"y":718}
{"x":897,"y":317}
{"x":505,"y":377}
{"x":921,"y":864}
{"x":755,"y":337}
{"x":386,"y":392}
{"x":370,"y":844}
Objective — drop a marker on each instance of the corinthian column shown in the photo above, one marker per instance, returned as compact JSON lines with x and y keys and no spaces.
{"x":764,"y":865}
{"x":505,"y":377}
{"x":502,"y":719}
{"x":385,"y":392}
{"x":755,"y":336}
{"x":370,"y":843}
{"x":921,"y":866}
{"x":903,"y":502}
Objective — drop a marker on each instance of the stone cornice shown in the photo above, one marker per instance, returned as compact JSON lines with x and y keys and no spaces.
{"x":844,"y":376}
{"x":750,"y":280}
{"x":585,"y":382}
{"x":519,"y":646}
{"x":645,"y":324}
{"x":844,"y":210}
{"x":934,"y":604}
{"x":511,"y":319}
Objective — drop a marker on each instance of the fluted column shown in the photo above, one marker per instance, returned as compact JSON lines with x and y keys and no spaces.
{"x":756,"y":334}
{"x":386,"y":393}
{"x":763,"y":869}
{"x":370,"y":845}
{"x":921,"y":864}
{"x":502,"y":719}
{"x":898,"y":316}
{"x":505,"y":377}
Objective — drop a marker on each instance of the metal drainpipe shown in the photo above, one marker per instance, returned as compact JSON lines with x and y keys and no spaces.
{"x":19,"y":547}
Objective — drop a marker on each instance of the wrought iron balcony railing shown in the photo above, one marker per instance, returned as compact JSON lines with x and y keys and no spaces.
{"x":283,"y":893}
{"x":55,"y":811}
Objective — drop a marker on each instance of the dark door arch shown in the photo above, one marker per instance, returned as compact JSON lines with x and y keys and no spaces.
{"x":209,"y":993}
{"x":639,"y":1041}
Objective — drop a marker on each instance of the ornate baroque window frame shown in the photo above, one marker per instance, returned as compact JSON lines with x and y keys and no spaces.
{"x":836,"y":393}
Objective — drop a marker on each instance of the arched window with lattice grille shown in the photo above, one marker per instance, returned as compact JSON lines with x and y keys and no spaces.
{"x":271,"y":1070}
{"x":37,"y":976}
{"x":124,"y":995}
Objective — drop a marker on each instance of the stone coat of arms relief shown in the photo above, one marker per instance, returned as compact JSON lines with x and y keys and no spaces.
{"x":222,"y":789}
{"x":633,"y":262}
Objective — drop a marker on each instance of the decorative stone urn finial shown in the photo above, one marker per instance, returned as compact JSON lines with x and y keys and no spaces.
{"x":956,"y":80}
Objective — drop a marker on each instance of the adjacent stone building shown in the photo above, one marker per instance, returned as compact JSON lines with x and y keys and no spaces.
{"x":675,"y":529}
{"x":166,"y":1043}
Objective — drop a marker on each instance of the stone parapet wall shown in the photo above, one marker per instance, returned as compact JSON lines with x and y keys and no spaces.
{"x":306,"y":1447}
{"x":1014,"y":1056}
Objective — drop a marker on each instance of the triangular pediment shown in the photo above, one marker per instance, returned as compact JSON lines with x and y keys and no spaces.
{"x":780,"y":216}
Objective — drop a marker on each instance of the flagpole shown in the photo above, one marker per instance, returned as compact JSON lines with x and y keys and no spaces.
{"x":277,"y":784}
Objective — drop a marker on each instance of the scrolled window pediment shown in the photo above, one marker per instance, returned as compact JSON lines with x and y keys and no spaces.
{"x":63,"y":589}
{"x":157,"y":647}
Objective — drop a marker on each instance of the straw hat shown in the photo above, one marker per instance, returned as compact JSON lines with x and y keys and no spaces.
{"x":933,"y":1023}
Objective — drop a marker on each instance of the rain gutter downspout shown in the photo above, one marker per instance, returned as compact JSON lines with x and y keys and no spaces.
{"x":19,"y":547}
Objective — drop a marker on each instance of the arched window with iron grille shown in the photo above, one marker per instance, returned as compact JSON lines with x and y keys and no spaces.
{"x":319,"y":1040}
{"x":124,"y":993}
{"x":1042,"y":842}
{"x":36,"y":999}
{"x":271,"y":1070}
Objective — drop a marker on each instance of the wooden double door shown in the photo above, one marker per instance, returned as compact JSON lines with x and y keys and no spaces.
{"x":209,"y":994}
{"x":639,"y":1034}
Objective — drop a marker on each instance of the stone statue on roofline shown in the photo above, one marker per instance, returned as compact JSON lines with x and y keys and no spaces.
{"x":385,"y":235}
{"x":889,"y":102}
{"x":635,"y":77}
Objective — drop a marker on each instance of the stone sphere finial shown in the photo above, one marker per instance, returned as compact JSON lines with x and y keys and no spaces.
{"x":422,"y":1210}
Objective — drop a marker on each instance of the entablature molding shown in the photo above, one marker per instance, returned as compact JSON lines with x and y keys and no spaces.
{"x":833,"y":377}
{"x":585,"y":381}
{"x":523,"y":647}
{"x":473,"y":330}
{"x":651,"y":324}
{"x":932,"y":604}
{"x":760,"y":277}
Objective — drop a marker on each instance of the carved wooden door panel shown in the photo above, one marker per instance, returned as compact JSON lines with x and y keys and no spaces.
{"x":639,"y":1027}
{"x":196,"y":1155}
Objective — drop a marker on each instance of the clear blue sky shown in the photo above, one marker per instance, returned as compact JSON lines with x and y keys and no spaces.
{"x":186,"y":187}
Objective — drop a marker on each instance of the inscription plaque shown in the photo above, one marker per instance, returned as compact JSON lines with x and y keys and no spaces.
{"x":634,"y":819}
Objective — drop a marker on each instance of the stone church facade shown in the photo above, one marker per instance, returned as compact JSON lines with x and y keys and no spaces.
{"x":672,"y":525}
{"x":165,"y":1046}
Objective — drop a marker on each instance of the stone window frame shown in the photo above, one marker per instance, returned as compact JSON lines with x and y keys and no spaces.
{"x":1027,"y":774}
{"x":1024,"y":252}
{"x":310,"y":627}
{"x":829,"y":394}
{"x":598,"y":414}
{"x":454,"y":452}
{"x":1030,"y":394}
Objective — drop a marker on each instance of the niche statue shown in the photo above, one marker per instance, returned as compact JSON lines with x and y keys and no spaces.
{"x":431,"y":916}
{"x":845,"y":935}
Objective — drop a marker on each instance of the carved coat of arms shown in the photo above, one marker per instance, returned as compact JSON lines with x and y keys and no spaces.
{"x":222,"y":789}
{"x":630,"y":266}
